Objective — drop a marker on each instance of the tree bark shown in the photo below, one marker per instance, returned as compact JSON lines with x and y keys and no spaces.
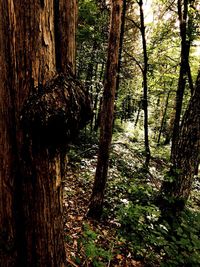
{"x":145,"y":86}
{"x":96,"y":201}
{"x":120,"y":56}
{"x":187,"y":154}
{"x":185,"y":48}
{"x":65,"y":23}
{"x":121,"y":45}
{"x":163,"y":118}
{"x":31,"y":226}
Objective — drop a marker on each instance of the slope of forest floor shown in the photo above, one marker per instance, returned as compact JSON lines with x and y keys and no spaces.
{"x":129,"y":233}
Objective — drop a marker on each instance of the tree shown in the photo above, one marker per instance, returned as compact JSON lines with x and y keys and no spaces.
{"x":187,"y":156}
{"x":144,"y":70}
{"x":145,"y":85}
{"x":121,"y":45}
{"x":35,"y":117}
{"x":65,"y":31}
{"x":96,"y":201}
{"x":184,"y":69}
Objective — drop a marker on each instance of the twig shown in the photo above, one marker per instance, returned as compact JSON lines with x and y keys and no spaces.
{"x":111,"y":252}
{"x":72,"y":263}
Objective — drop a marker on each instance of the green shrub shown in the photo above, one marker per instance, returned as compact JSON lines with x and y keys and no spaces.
{"x":152,"y":239}
{"x":94,"y":254}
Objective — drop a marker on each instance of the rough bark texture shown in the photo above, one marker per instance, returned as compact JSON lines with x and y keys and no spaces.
{"x":96,"y":202}
{"x":31,"y":97}
{"x":8,"y":252}
{"x":66,"y":20}
{"x":187,"y":154}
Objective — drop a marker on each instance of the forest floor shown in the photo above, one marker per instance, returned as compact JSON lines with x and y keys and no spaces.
{"x":92,"y":243}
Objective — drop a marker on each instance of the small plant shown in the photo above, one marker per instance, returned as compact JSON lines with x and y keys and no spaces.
{"x":94,"y":254}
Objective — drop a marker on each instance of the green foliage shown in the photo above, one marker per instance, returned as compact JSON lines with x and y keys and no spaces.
{"x":155,"y":240}
{"x":92,"y":35}
{"x":94,"y":254}
{"x":131,"y":196}
{"x":91,"y":21}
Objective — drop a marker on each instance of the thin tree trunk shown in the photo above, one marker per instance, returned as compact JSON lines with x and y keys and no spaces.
{"x":137,"y":117}
{"x":145,"y":86}
{"x":190,"y":80}
{"x":96,"y":201}
{"x":185,"y":46}
{"x":98,"y":110}
{"x":121,"y":45}
{"x":163,"y":118}
{"x":120,"y":56}
{"x":94,"y":99}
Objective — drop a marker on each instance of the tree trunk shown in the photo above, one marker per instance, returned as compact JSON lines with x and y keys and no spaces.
{"x":185,"y":47}
{"x":96,"y":201}
{"x":97,"y":105}
{"x":145,"y":86}
{"x":121,"y":45}
{"x":187,"y":154}
{"x":163,"y":118}
{"x":120,"y":56}
{"x":31,"y":226}
{"x":65,"y":23}
{"x":138,"y":115}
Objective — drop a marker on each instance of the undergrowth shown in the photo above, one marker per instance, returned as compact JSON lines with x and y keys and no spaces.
{"x":130,"y":202}
{"x":153,"y":239}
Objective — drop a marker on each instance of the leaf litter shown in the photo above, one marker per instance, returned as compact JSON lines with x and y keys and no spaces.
{"x":125,"y":162}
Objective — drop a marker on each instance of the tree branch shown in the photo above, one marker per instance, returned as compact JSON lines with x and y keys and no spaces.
{"x":135,"y":60}
{"x":134,"y":23}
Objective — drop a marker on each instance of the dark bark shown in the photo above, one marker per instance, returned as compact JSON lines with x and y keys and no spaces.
{"x":120,"y":55}
{"x":145,"y":86}
{"x":137,"y":117}
{"x":185,"y":48}
{"x":96,"y":201}
{"x":163,"y":118}
{"x":186,"y":158}
{"x":65,"y":25}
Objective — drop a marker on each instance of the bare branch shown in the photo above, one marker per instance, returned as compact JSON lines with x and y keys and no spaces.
{"x":134,"y":23}
{"x":135,"y":60}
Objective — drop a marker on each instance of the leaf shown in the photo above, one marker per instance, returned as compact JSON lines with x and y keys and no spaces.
{"x":105,"y":232}
{"x":119,"y":257}
{"x":79,"y":218}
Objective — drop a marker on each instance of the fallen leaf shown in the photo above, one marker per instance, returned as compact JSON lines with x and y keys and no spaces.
{"x":105,"y":232}
{"x":119,"y":257}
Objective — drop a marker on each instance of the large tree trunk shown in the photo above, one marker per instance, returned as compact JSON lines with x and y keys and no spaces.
{"x":187,"y":155}
{"x":96,"y":202}
{"x":28,"y":48}
{"x":31,"y":227}
{"x":65,"y":23}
